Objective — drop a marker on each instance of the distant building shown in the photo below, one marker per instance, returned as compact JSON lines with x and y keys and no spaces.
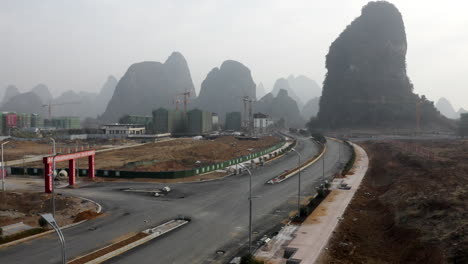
{"x":215,"y":121}
{"x":233,"y":121}
{"x":136,"y":119}
{"x":64,"y":122}
{"x":37,"y":121}
{"x":199,"y":122}
{"x":168,"y":121}
{"x":261,"y":122}
{"x":124,"y":129}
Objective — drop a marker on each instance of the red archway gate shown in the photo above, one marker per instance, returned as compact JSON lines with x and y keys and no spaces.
{"x":71,"y":166}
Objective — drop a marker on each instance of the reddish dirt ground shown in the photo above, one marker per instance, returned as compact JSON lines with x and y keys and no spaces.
{"x":178,"y":154}
{"x":25,"y":206}
{"x":409,"y":209}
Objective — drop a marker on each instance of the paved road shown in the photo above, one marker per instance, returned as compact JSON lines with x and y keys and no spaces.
{"x":218,"y":209}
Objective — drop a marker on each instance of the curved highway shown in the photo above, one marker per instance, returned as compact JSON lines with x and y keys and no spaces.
{"x":218,"y":209}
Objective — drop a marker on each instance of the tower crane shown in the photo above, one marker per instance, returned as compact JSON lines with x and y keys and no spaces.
{"x":50,"y":105}
{"x":186,"y":95}
{"x":248,"y":113}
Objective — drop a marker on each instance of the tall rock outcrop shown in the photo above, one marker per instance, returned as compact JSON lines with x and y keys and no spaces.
{"x":304,"y":87}
{"x":149,"y":85}
{"x":461,"y":111}
{"x":71,"y":103}
{"x":366,"y":84}
{"x":281,"y":107}
{"x":105,"y":94}
{"x":43,"y":92}
{"x":260,"y":91}
{"x":445,"y":107}
{"x":10,"y":92}
{"x":283,"y":84}
{"x":24,"y":103}
{"x":311,"y":108}
{"x":223,"y":89}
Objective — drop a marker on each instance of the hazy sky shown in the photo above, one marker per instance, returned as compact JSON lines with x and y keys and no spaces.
{"x":76,"y":44}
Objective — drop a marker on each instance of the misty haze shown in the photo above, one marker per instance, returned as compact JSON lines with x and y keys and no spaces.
{"x":233,"y":132}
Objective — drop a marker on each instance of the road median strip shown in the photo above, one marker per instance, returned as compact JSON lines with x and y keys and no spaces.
{"x":127,"y":244}
{"x":288,"y":174}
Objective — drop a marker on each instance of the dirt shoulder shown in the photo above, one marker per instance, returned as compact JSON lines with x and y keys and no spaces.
{"x":22,"y":206}
{"x":409,"y":209}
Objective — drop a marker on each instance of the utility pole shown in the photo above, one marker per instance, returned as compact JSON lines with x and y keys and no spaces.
{"x":52,"y":222}
{"x":298,"y":184}
{"x":323,"y":165}
{"x":53,"y":184}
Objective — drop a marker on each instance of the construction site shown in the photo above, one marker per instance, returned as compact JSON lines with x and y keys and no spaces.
{"x":168,"y":155}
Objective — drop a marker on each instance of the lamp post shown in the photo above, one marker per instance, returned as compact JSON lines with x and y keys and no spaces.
{"x":3,"y":168}
{"x":51,"y":221}
{"x":53,"y":175}
{"x":298,"y":183}
{"x":323,"y":165}
{"x":53,"y":141}
{"x":250,"y":207}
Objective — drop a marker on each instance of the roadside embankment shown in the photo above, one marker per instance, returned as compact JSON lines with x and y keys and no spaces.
{"x":411,"y":207}
{"x":309,"y":239}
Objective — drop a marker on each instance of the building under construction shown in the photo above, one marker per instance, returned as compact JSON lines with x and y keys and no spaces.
{"x":168,"y":121}
{"x":199,"y":122}
{"x":233,"y":121}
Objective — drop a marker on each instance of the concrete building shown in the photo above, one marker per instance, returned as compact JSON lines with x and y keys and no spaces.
{"x":261,"y":123}
{"x":233,"y":121}
{"x":215,"y":121}
{"x":168,"y":121}
{"x":199,"y":122}
{"x":136,"y":119}
{"x":124,"y":129}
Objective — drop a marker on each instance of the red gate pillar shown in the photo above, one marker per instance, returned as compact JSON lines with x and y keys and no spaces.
{"x":48,"y":178}
{"x":71,"y":172}
{"x":91,"y":173}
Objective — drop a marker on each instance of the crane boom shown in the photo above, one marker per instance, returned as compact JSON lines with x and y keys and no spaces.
{"x":49,"y":106}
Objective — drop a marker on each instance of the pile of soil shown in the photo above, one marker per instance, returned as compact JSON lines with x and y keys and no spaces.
{"x":409,"y":209}
{"x":86,"y":215}
{"x":26,"y":206}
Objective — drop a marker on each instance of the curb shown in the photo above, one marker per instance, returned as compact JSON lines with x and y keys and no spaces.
{"x":24,"y":239}
{"x":298,"y":169}
{"x":152,"y":235}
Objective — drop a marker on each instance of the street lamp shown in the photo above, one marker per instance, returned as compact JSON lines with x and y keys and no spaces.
{"x":298,"y":184}
{"x":53,"y":141}
{"x":323,"y":165}
{"x":250,"y":207}
{"x":3,"y":168}
{"x":53,"y":182}
{"x":51,"y":221}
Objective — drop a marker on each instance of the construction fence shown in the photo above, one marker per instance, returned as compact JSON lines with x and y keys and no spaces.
{"x":163,"y":174}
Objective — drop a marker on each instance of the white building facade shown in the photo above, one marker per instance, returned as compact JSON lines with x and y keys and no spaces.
{"x":124,"y":129}
{"x":261,"y":123}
